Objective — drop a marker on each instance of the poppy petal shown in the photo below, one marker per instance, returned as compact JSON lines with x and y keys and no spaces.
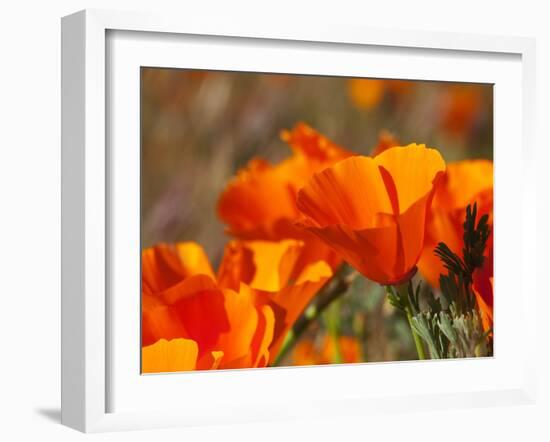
{"x":167,"y":264}
{"x":243,"y":319}
{"x":166,"y":356}
{"x":414,"y":169}
{"x":350,"y":193}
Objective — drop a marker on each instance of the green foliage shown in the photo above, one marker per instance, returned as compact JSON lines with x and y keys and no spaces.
{"x":427,"y":327}
{"x":450,"y":334}
{"x":450,"y":324}
{"x":475,"y":240}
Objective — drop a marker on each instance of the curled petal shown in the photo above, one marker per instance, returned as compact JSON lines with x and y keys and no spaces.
{"x":164,"y":265}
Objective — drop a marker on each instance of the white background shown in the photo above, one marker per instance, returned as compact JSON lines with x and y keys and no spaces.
{"x":290,"y":389}
{"x":30,"y":218}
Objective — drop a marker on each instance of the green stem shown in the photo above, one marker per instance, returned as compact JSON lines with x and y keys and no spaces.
{"x":338,"y":286}
{"x":402,"y":293}
{"x":416,"y":337}
{"x":359,"y":332}
{"x":333,"y":324}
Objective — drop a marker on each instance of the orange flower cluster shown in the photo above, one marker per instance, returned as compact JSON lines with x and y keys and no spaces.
{"x":194,"y":319}
{"x":295,"y":222}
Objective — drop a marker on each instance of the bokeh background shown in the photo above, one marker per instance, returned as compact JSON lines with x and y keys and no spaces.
{"x":199,"y":127}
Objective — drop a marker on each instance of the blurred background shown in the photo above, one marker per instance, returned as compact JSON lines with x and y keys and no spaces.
{"x":199,"y":127}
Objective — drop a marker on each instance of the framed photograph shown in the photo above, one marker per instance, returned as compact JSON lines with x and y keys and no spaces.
{"x":276,"y":222}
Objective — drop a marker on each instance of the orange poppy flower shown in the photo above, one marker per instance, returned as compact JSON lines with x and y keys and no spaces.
{"x":260,"y":202}
{"x":461,"y":105}
{"x":465,"y":182}
{"x":367,"y":93}
{"x":307,"y":353}
{"x":236,"y":319}
{"x":372,"y":211}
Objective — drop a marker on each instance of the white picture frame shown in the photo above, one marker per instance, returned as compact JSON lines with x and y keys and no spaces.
{"x":88,"y":229}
